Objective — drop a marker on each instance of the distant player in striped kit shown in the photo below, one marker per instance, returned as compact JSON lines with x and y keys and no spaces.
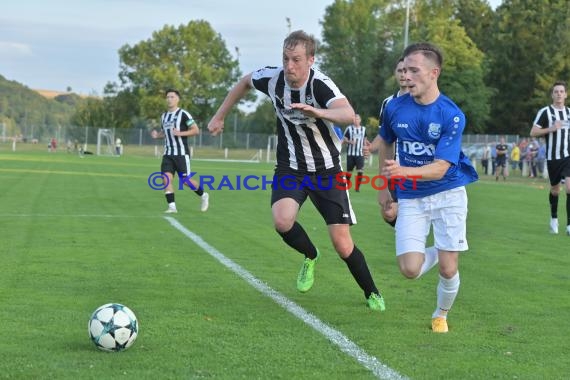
{"x":177,"y":124}
{"x":553,"y":123}
{"x":354,"y":137}
{"x":389,"y":210}
{"x":307,"y":104}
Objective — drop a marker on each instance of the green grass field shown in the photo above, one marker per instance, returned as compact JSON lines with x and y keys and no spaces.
{"x":80,"y":232}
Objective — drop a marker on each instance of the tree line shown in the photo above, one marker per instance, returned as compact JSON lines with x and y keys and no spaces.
{"x":498,"y":64}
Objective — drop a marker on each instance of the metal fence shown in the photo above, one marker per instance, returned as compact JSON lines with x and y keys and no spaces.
{"x":252,"y":143}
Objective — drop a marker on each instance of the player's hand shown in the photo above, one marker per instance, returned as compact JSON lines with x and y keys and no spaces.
{"x":216,"y":126}
{"x":392,"y":169}
{"x":366,"y":148}
{"x":176,"y":132}
{"x":390,"y":213}
{"x":307,"y":110}
{"x":557,"y":124}
{"x":385,"y":200}
{"x":154,"y":134}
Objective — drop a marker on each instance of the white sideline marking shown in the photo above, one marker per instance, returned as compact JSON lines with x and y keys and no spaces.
{"x":73,"y":216}
{"x":339,"y":339}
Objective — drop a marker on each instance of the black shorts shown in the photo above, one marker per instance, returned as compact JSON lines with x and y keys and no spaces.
{"x":558,"y":170}
{"x":328,"y":194}
{"x":501,"y":161}
{"x":176,"y":164}
{"x":354,"y":161}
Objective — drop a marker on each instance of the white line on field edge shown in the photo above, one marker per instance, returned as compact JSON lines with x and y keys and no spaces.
{"x":380,"y":370}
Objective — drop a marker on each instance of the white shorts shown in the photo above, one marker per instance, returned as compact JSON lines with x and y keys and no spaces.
{"x":446,"y":211}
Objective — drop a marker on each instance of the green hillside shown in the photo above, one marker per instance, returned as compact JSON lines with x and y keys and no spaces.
{"x":26,"y":113}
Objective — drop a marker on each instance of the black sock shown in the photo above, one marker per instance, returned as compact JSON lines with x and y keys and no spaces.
{"x":358,"y":179}
{"x":169,"y":197}
{"x":298,"y":239}
{"x":200,"y":191}
{"x":348,"y":177}
{"x":356,"y":263}
{"x":567,"y":209}
{"x":553,"y":199}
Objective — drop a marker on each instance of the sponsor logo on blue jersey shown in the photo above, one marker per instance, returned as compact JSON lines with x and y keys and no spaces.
{"x":417,"y":148}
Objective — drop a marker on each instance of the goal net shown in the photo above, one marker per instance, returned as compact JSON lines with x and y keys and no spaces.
{"x":105,"y":142}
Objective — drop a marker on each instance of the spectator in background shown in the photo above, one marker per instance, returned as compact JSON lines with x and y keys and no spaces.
{"x":501,"y":150}
{"x":515,"y":157}
{"x":485,"y":159}
{"x":523,"y":145}
{"x":531,"y":152}
{"x":493,"y":159}
{"x":53,"y":145}
{"x":540,"y":157}
{"x":118,"y":147}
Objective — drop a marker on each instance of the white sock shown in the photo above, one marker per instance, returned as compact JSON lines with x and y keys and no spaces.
{"x":172,"y":205}
{"x":446,"y":292}
{"x":430,"y":260}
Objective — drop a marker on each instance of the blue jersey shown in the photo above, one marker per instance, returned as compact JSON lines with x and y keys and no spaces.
{"x":424,"y":133}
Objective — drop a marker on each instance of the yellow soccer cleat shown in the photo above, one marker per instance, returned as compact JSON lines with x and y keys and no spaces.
{"x":439,"y":325}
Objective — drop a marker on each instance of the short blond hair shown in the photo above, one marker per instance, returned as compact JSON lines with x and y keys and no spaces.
{"x":300,"y":37}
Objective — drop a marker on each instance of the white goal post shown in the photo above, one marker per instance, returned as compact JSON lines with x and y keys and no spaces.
{"x":105,"y":142}
{"x":271,"y":147}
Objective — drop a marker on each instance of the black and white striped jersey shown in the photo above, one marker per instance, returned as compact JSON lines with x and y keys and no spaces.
{"x":181,"y":120}
{"x":381,"y":117}
{"x":357,"y":135}
{"x":383,"y":107}
{"x":557,"y":143}
{"x":304,"y":144}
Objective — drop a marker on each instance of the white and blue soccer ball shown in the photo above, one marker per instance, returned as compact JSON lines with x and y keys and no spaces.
{"x":113,"y":327}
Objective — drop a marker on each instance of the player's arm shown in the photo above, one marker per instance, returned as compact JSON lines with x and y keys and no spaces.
{"x":500,"y":150}
{"x":538,"y":131}
{"x":157,"y":134}
{"x":239,"y":91}
{"x":192,"y":130}
{"x":430,"y":172}
{"x":385,"y":153}
{"x":345,"y":138}
{"x":375,"y":144}
{"x":540,"y":121}
{"x":339,"y":112}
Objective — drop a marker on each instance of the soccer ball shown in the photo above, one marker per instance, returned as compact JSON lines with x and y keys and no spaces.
{"x":113,"y":327}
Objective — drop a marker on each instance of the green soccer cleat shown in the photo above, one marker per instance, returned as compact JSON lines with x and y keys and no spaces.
{"x":376,"y":302}
{"x":306,"y":275}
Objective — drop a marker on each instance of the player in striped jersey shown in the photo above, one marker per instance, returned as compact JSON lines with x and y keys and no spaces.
{"x":354,"y":137}
{"x":389,"y":210}
{"x":553,"y":123}
{"x":307,"y":103}
{"x":177,"y":124}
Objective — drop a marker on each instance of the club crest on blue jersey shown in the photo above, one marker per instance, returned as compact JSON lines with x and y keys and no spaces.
{"x":434,"y":130}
